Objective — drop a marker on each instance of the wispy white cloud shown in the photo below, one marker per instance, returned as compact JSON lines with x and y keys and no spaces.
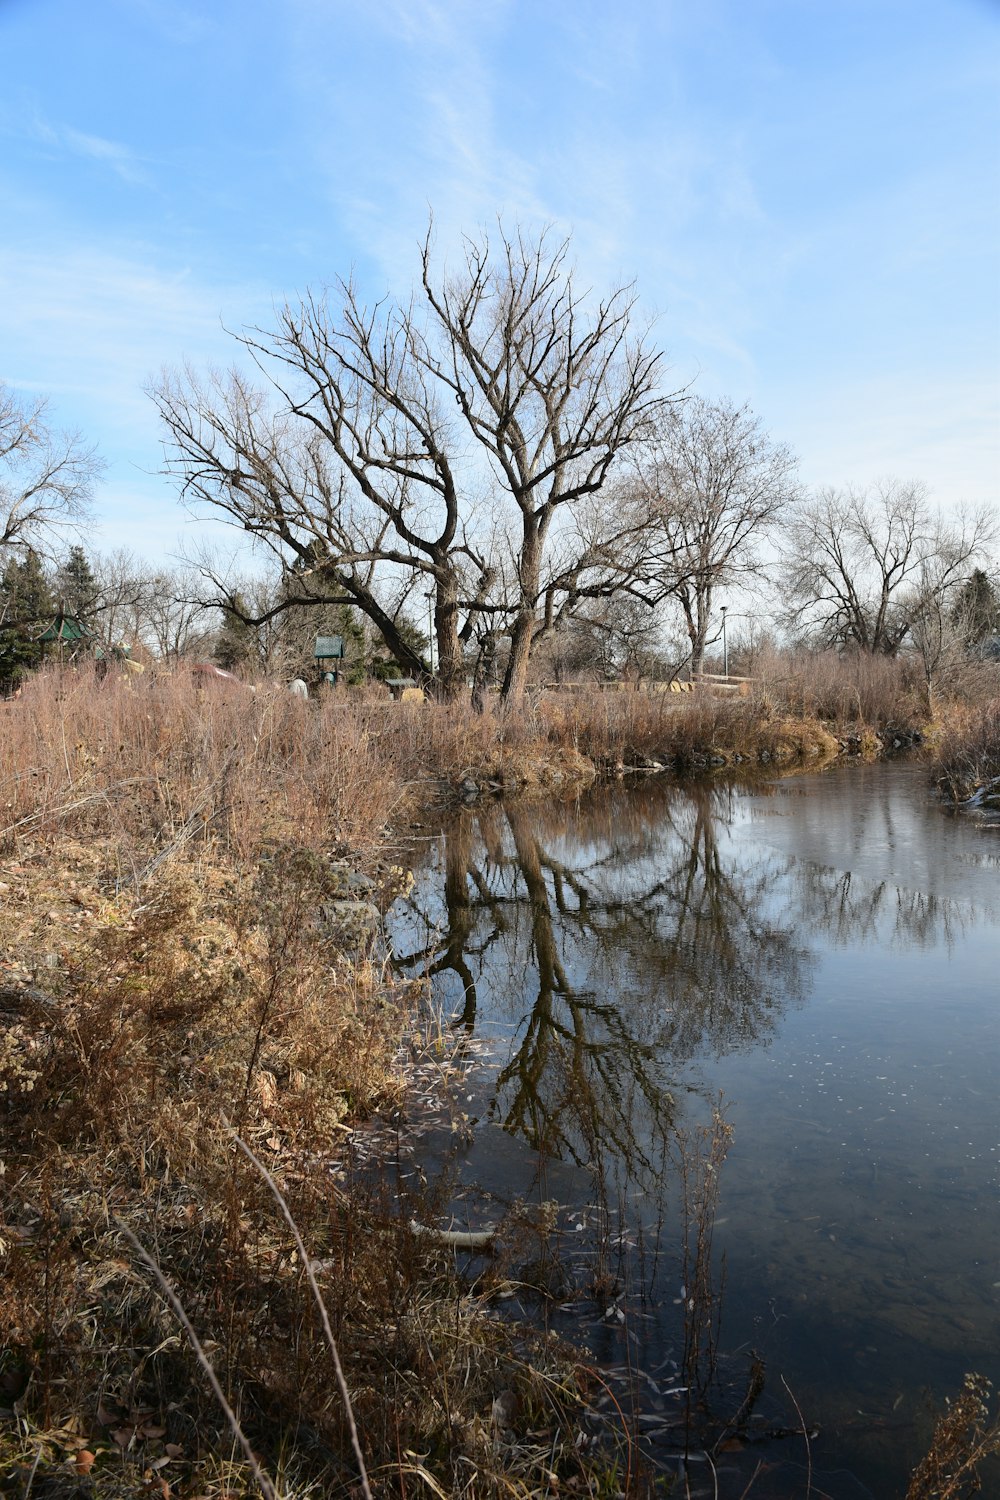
{"x":119,"y":158}
{"x":91,"y":326}
{"x":64,"y":139}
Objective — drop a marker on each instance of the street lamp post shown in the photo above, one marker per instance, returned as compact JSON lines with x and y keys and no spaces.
{"x":725,"y":646}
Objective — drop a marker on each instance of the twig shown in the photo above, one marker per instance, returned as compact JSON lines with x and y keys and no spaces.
{"x":805,"y":1436}
{"x":261,"y":1477}
{"x":317,"y":1294}
{"x":753,"y":1476}
{"x":34,"y":1470}
{"x":67,"y":807}
{"x":715,"y":1475}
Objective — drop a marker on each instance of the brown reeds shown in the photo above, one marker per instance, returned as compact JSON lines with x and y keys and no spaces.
{"x":175,"y":946}
{"x":966,"y":1435}
{"x":701,"y":1154}
{"x":160,"y":763}
{"x":967,"y":752}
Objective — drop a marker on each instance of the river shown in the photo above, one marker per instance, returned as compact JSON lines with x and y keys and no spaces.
{"x":821,"y":953}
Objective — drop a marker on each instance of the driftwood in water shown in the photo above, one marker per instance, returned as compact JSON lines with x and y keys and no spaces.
{"x":456,"y":1239}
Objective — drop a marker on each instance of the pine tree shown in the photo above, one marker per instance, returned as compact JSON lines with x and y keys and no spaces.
{"x":26,"y":608}
{"x":77,"y":588}
{"x":383,"y":665}
{"x":976,"y":613}
{"x":236,"y":645}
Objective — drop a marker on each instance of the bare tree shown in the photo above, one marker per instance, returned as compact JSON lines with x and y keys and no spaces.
{"x":861,"y":567}
{"x":363,"y":477}
{"x":554,"y":390}
{"x":123,"y":588}
{"x":718,"y":485}
{"x":173,"y":619}
{"x":45,"y":477}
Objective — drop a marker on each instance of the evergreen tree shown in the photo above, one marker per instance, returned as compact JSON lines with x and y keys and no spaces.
{"x":298,"y":629}
{"x":384,"y":665}
{"x":237,"y":644}
{"x":976,"y":613}
{"x":77,"y":588}
{"x":26,"y":608}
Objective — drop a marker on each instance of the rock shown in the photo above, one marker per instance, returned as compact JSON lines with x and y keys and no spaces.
{"x":353,"y":924}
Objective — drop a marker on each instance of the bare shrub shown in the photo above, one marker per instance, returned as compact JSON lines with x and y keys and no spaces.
{"x":849,"y":688}
{"x":967,"y":750}
{"x":966,"y":1435}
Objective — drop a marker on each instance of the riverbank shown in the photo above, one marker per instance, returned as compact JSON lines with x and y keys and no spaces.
{"x":967,"y":755}
{"x":190,"y":885}
{"x":190,"y":889}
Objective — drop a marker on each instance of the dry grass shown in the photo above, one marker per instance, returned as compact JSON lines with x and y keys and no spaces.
{"x":967,"y":751}
{"x":175,"y":952}
{"x":162,"y":1018}
{"x":681,"y":731}
{"x":966,"y":1435}
{"x":156,"y":764}
{"x":850,"y":690}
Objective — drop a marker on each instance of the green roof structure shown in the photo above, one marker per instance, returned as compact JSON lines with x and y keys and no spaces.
{"x":65,"y":629}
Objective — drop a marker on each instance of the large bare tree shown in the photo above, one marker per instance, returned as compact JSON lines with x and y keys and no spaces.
{"x":555,"y":390}
{"x":862,"y":567}
{"x":718,"y":486}
{"x":46,"y":477}
{"x":432,"y":446}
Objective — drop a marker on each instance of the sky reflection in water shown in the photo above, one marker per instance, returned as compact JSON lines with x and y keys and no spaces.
{"x":826,"y":951}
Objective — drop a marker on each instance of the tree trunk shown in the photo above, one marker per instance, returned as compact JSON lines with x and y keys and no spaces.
{"x":449,"y":647}
{"x":481,"y":676}
{"x":529,"y":574}
{"x":516,"y":676}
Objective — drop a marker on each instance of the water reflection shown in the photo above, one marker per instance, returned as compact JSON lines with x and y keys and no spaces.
{"x":825,"y":951}
{"x":852,"y":911}
{"x":616,"y":935}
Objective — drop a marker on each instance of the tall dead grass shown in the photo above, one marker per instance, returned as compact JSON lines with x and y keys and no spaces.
{"x":214,"y":995}
{"x":678,"y":730}
{"x":967,"y":750}
{"x":844,"y":690}
{"x":156,"y":763}
{"x":150,"y":763}
{"x":172,"y":956}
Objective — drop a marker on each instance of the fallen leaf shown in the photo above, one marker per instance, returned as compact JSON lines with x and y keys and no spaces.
{"x":108,"y":1415}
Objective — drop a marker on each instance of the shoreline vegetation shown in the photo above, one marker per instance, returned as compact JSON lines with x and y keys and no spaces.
{"x":191,"y":882}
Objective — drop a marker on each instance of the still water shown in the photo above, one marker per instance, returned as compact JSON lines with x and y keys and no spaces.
{"x":824,"y":952}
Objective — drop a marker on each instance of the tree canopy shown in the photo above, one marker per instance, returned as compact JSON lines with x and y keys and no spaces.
{"x":454,"y":443}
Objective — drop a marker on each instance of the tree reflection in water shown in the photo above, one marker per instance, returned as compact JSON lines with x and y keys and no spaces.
{"x":614,"y":947}
{"x":619,"y":937}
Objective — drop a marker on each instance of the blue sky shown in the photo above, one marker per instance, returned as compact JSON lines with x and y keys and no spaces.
{"x":807,"y":192}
